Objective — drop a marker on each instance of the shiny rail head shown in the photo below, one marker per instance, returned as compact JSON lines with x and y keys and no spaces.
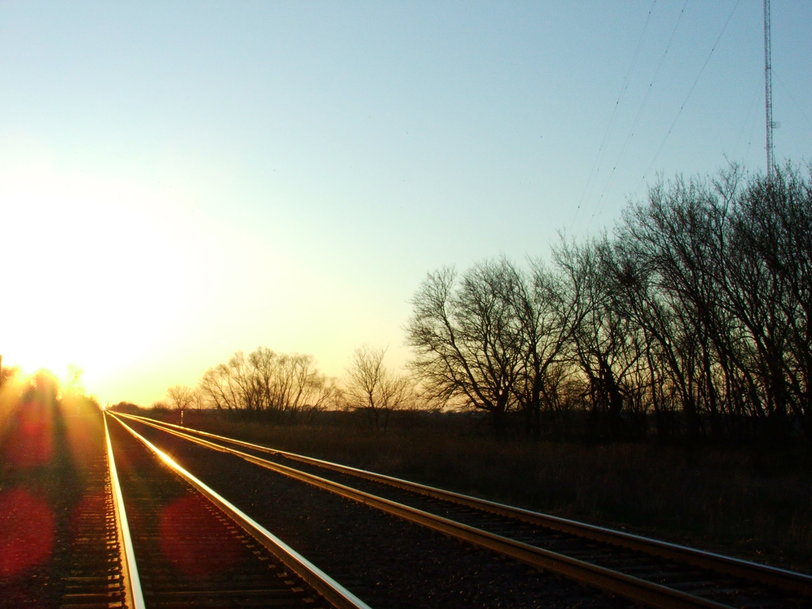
{"x":132,"y":583}
{"x":329,"y":588}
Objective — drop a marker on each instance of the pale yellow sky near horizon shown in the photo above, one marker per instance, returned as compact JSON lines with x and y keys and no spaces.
{"x":122,"y":292}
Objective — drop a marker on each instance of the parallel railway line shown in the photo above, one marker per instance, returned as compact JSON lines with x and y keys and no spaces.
{"x":185,"y":546}
{"x":59,"y":536}
{"x":385,"y":560}
{"x":117,"y":511}
{"x":648,"y":572}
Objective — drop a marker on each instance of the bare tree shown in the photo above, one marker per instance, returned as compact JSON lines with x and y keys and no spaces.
{"x":182,"y":398}
{"x":227,"y":386}
{"x":716,"y":276}
{"x":603,"y":343}
{"x":466,"y":338}
{"x":545,"y":312}
{"x":495,"y":338}
{"x":768,"y":288}
{"x":698,"y":309}
{"x":289,"y":382}
{"x":266,"y":381}
{"x":374,"y":388}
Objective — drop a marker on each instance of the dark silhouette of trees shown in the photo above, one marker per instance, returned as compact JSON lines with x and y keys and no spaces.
{"x":181,"y":398}
{"x":373,"y":388}
{"x":545,"y":311}
{"x":466,"y":339}
{"x":604,"y":346}
{"x":768,"y":288}
{"x":693,"y":318}
{"x":266,"y":381}
{"x":717,"y":276}
{"x":492,"y":339}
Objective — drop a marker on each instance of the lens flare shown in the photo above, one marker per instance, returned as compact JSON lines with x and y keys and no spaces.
{"x":26,"y":531}
{"x":194,"y":540}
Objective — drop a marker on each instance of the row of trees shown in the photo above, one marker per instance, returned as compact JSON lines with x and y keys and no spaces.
{"x":266,"y":381}
{"x":694,"y":314}
{"x":276,"y":383}
{"x":692,"y":318}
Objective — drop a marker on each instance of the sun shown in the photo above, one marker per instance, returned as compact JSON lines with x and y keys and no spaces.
{"x":92,"y":277}
{"x":40,"y":346}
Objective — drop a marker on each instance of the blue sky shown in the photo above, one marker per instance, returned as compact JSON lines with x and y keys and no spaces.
{"x":180,"y":180}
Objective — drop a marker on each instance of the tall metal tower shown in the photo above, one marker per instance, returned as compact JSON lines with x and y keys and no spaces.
{"x":768,"y":90}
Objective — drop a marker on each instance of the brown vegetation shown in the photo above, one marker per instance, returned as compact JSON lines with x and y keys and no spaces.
{"x":750,"y":502}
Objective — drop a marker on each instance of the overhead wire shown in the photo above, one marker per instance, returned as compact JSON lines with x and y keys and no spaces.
{"x":688,"y":95}
{"x":623,"y":88}
{"x":750,"y":122}
{"x":643,"y":104}
{"x":789,"y":94}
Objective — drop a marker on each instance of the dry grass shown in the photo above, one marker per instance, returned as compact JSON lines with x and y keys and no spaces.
{"x":752,"y":503}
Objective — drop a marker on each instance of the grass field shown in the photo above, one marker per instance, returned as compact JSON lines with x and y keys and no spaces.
{"x":752,"y":503}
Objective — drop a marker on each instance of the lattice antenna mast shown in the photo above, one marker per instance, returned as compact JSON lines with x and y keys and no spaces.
{"x":768,"y":91}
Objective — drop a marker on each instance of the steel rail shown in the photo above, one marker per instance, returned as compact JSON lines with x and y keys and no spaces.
{"x":331,"y":590}
{"x":608,"y":580}
{"x":784,"y":579}
{"x":133,"y":594}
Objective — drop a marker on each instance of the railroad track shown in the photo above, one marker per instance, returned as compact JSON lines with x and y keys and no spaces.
{"x":59,"y":545}
{"x":646,"y":571}
{"x":183,"y":545}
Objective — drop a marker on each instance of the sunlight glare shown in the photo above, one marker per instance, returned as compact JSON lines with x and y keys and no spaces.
{"x":93,"y":270}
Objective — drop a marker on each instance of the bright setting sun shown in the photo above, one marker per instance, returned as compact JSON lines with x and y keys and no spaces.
{"x":89,"y":273}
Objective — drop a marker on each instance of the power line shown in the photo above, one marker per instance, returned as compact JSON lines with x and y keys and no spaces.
{"x":690,"y":92}
{"x":623,"y":88}
{"x":643,"y":104}
{"x":768,"y":91}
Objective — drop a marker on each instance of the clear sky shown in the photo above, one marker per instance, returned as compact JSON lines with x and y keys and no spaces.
{"x":180,"y":180}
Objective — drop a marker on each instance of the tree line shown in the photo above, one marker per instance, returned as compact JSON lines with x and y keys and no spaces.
{"x":265,"y":381}
{"x":691,"y":319}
